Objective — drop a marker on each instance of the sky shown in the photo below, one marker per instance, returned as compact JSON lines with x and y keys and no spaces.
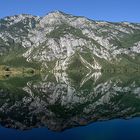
{"x":108,"y":10}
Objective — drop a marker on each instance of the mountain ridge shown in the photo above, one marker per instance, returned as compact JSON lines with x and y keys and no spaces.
{"x":59,"y":11}
{"x":55,"y":38}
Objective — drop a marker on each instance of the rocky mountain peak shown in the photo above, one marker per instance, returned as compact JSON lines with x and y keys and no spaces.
{"x":55,"y":17}
{"x":19,"y":18}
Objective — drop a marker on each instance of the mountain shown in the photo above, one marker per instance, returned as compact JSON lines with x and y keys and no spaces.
{"x":86,"y":59}
{"x":63,"y":42}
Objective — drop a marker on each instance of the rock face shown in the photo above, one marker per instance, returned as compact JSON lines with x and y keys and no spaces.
{"x":57,"y":37}
{"x":14,"y":30}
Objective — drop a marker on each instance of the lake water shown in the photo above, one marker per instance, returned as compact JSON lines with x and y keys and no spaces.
{"x":60,"y":106}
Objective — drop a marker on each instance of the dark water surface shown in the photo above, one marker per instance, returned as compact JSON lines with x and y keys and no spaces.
{"x":108,"y":130}
{"x":72,"y":106}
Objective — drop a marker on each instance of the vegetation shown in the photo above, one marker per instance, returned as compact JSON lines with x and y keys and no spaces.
{"x":129,"y":40}
{"x":7,"y":71}
{"x":64,"y":29}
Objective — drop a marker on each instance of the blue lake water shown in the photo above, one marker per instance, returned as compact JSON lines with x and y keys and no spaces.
{"x":107,"y":130}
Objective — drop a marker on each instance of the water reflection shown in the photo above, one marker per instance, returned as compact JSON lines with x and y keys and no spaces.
{"x":60,"y":100}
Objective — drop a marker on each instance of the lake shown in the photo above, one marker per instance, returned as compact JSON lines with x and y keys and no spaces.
{"x":73,"y":106}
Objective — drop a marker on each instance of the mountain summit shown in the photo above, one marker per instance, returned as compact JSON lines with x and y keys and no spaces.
{"x":60,"y":41}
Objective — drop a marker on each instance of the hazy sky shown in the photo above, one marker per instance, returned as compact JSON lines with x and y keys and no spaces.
{"x":110,"y":10}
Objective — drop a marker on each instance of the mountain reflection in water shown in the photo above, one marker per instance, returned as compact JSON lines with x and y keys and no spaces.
{"x":60,"y":101}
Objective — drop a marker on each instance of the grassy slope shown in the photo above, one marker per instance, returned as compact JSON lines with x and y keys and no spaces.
{"x":14,"y":58}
